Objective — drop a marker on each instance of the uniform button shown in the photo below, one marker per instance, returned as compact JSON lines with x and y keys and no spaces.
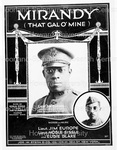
{"x":53,"y":103}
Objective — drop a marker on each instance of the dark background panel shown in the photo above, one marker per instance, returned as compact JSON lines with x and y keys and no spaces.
{"x":104,"y":59}
{"x":103,"y":90}
{"x":21,"y":126}
{"x":11,"y":61}
{"x":98,"y":16}
{"x":17,"y":93}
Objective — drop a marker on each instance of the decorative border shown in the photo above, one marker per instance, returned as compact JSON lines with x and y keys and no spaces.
{"x":56,"y":36}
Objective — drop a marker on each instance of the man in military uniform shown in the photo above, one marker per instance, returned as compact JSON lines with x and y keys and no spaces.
{"x":56,"y":70}
{"x":93,"y":108}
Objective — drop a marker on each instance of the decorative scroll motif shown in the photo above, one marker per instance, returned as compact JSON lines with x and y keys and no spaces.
{"x":91,"y":36}
{"x":98,"y":24}
{"x":16,"y":54}
{"x":57,"y":34}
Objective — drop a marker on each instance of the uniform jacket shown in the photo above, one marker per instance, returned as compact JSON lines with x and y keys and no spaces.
{"x":90,"y":123}
{"x":49,"y":105}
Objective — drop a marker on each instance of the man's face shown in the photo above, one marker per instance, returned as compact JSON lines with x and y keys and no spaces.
{"x":57,"y":78}
{"x":93,"y":110}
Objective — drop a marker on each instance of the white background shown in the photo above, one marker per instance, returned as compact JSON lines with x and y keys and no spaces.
{"x":113,"y":40}
{"x":79,"y":65}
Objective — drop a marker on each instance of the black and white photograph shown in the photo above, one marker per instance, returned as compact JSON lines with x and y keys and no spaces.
{"x":53,"y":71}
{"x":58,"y":74}
{"x":92,"y":110}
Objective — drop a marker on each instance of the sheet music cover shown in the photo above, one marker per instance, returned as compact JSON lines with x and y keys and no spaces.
{"x":58,"y":76}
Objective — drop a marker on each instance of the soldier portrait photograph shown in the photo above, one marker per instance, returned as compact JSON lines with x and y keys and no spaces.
{"x":60,"y":80}
{"x":92,"y":110}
